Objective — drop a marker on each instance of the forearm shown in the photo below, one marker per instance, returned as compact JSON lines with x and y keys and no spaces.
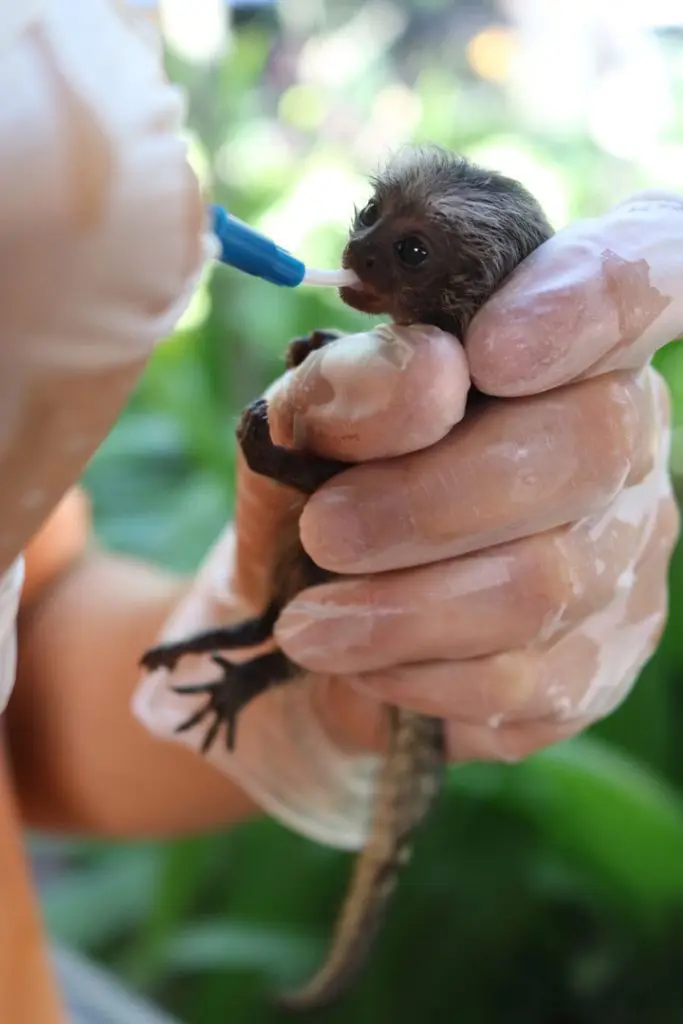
{"x":82,"y":761}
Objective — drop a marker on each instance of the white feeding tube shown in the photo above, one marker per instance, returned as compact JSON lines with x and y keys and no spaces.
{"x":330,"y":278}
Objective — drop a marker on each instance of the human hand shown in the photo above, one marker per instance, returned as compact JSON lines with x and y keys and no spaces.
{"x":529,"y":550}
{"x":508,"y":574}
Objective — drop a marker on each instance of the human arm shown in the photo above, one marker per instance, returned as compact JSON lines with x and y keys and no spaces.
{"x":101,"y":238}
{"x":81,"y":761}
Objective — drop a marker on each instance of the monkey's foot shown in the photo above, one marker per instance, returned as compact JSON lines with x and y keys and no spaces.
{"x":300,"y":348}
{"x":227,"y":696}
{"x":226,"y":638}
{"x":288,"y":466}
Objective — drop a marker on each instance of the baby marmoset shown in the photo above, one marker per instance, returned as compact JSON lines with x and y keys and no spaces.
{"x":438,"y":236}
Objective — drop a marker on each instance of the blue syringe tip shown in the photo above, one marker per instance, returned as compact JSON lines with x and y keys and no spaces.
{"x":253,"y":253}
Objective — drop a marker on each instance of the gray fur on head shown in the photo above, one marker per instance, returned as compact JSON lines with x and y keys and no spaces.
{"x":478,"y":224}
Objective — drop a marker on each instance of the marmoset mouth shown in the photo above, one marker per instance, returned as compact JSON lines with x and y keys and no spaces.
{"x":361,"y":294}
{"x":363,"y":298}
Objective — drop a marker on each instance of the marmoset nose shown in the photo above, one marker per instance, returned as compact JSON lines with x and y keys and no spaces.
{"x":365,"y":258}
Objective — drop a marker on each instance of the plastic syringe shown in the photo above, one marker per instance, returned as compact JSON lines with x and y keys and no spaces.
{"x":253,"y":253}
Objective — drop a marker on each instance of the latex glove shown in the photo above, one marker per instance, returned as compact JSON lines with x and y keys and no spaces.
{"x":508,"y":574}
{"x":101,"y":242}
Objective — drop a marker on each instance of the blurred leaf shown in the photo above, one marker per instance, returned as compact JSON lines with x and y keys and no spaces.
{"x":238,"y":946}
{"x":610,"y":815}
{"x":96,"y":903}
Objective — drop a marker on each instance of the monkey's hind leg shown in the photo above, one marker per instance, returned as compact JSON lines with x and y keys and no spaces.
{"x":228,"y":695}
{"x":249,"y":633}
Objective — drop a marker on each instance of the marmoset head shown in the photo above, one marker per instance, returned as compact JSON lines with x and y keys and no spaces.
{"x":437,"y":238}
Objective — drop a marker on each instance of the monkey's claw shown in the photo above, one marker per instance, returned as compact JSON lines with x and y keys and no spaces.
{"x":163,"y":656}
{"x":230,"y":694}
{"x":227,"y":696}
{"x":253,"y":430}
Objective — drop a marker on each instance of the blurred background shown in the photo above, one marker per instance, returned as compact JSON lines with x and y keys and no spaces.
{"x":549,"y":891}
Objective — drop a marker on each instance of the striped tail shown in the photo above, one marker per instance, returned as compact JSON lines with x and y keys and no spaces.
{"x":408,"y":784}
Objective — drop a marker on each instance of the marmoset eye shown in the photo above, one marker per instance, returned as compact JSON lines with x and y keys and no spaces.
{"x":411,"y":251}
{"x":369,"y":215}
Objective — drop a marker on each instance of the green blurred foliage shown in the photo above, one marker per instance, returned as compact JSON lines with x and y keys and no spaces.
{"x":549,"y":891}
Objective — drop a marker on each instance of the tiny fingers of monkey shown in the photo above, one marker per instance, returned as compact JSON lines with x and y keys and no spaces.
{"x":511,"y":470}
{"x":376,"y":394}
{"x":602,"y":294}
{"x":579,"y":677}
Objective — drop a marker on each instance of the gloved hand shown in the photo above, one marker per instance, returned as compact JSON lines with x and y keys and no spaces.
{"x":507,"y":572}
{"x":101,"y":241}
